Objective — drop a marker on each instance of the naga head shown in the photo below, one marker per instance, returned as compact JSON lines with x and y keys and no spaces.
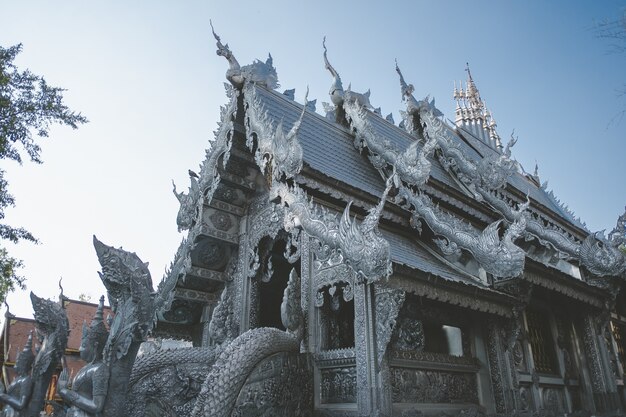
{"x":500,"y":257}
{"x":286,"y":149}
{"x":601,"y":257}
{"x":94,"y":336}
{"x":25,"y":359}
{"x":122,"y":271}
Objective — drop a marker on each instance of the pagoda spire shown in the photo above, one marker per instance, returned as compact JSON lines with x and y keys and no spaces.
{"x":471,"y":112}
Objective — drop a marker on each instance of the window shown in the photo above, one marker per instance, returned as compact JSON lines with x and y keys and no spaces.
{"x":337,"y":319}
{"x":541,"y":342}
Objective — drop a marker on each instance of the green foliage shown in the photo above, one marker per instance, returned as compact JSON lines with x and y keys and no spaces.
{"x":28,"y":107}
{"x":9,"y":280}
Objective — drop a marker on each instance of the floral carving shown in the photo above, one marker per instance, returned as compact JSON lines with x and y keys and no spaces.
{"x":338,"y":385}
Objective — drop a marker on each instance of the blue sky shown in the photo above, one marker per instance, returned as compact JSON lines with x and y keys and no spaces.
{"x":146,"y":75}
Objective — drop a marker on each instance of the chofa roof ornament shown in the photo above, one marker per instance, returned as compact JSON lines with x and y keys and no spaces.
{"x":262,"y":73}
{"x":337,"y":93}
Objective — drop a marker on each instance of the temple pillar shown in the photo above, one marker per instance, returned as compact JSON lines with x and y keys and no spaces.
{"x":499,"y":371}
{"x":367,"y":373}
{"x":595,"y":364}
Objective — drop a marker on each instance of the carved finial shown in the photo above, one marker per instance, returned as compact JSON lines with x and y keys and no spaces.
{"x":99,"y":311}
{"x":336,"y":89}
{"x":222,"y":50}
{"x":536,"y":173}
{"x":233,"y":74}
{"x":62,"y":297}
{"x":7,"y":313}
{"x":405,"y":89}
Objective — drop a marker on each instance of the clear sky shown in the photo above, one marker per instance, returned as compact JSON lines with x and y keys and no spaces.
{"x":146,"y":75}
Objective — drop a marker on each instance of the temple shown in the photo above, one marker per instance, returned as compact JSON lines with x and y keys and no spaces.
{"x":345,"y":265}
{"x":412,"y":269}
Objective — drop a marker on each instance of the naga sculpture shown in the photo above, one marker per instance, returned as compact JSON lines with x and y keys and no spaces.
{"x":52,"y":330}
{"x":135,"y":305}
{"x":281,"y":152}
{"x":362,"y":246}
{"x":88,"y":391}
{"x":412,"y":165}
{"x":601,"y":257}
{"x":169,"y":380}
{"x":499,"y":257}
{"x":187,"y":213}
{"x":241,"y":356}
{"x":19,"y":392}
{"x":262,"y":73}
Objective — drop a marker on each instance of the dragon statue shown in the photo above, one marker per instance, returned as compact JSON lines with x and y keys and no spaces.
{"x":52,"y":330}
{"x":88,"y":392}
{"x":262,"y":73}
{"x":135,"y":306}
{"x":19,"y":392}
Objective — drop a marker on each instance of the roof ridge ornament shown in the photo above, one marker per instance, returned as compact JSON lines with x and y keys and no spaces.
{"x":337,"y":94}
{"x":262,"y":73}
{"x":411,"y":118}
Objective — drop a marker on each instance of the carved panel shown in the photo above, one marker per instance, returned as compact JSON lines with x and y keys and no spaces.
{"x":426,"y":386}
{"x":229,"y":196}
{"x":552,"y":400}
{"x":388,"y":302}
{"x":436,"y":358}
{"x":526,"y":399}
{"x":519,"y":359}
{"x":338,"y":385}
{"x":409,"y":335}
{"x":220,"y":224}
{"x":182,"y":312}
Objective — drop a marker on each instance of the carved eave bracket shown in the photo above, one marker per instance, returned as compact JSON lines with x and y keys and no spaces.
{"x":388,"y":302}
{"x":521,"y":290}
